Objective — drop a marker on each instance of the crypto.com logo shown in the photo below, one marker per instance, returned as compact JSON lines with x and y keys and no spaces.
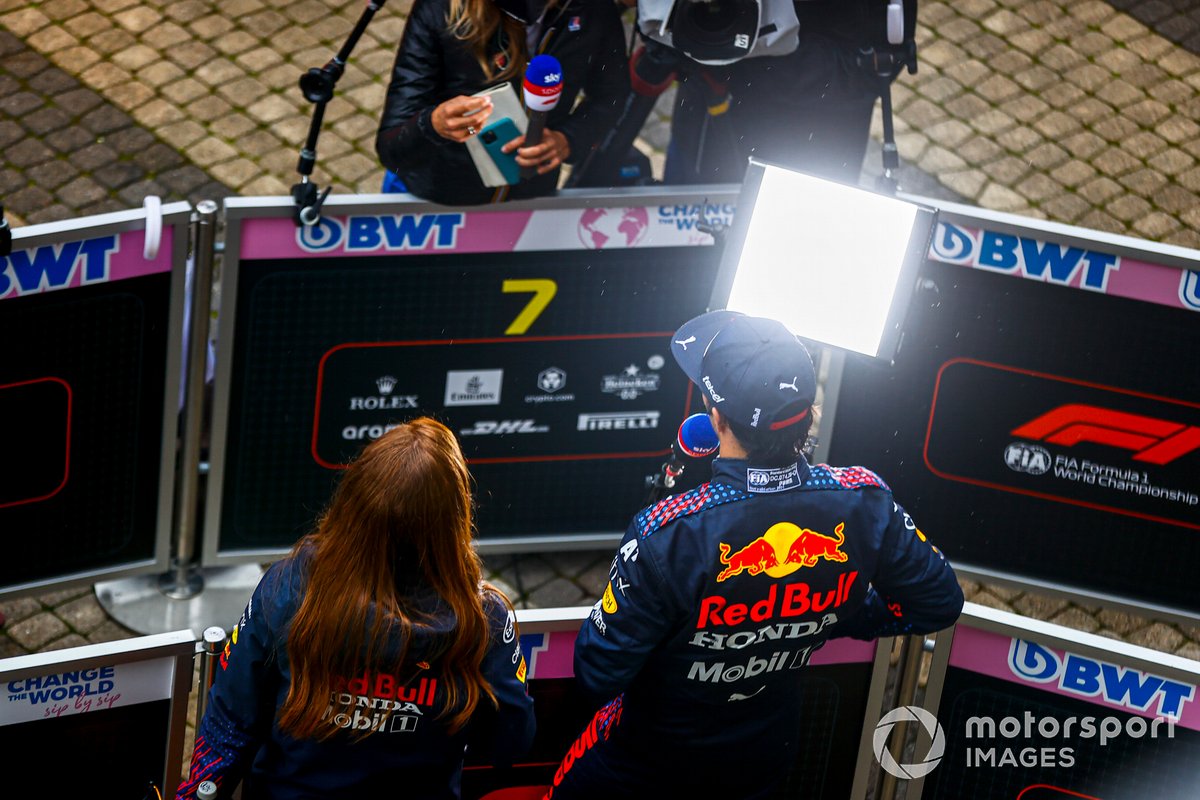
{"x":1154,"y":441}
{"x":884,"y":730}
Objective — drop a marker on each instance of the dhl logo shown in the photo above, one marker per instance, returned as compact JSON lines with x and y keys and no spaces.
{"x":782,"y":550}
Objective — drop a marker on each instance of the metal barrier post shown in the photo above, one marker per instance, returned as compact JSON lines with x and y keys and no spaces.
{"x":185,"y":596}
{"x":214,"y":646}
{"x":908,"y":673}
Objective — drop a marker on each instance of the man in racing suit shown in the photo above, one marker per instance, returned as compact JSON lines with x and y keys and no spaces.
{"x":718,"y":595}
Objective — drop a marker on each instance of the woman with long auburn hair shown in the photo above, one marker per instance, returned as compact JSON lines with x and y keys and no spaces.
{"x":453,"y":49}
{"x":373,"y":655}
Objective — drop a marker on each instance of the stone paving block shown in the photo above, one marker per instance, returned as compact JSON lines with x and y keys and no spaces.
{"x":25,"y":22}
{"x":65,"y":643}
{"x":116,"y":175}
{"x":235,"y":173}
{"x":51,"y":174}
{"x":1128,"y":208}
{"x":19,"y":608}
{"x":46,"y":121}
{"x":1076,"y":618}
{"x":27,"y":153}
{"x":986,"y":598}
{"x":1099,"y":220}
{"x":1039,"y":606}
{"x":1002,"y":198}
{"x":1144,"y":182}
{"x":92,"y":157}
{"x":82,"y":190}
{"x":109,"y":631}
{"x":557,"y":594}
{"x":105,"y":75}
{"x":1157,"y":636}
{"x":37,"y":631}
{"x":1156,"y":226}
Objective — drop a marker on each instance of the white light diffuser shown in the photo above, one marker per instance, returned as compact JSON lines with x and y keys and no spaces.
{"x":836,"y":264}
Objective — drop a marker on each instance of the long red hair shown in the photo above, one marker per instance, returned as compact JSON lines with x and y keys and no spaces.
{"x":402,"y":509}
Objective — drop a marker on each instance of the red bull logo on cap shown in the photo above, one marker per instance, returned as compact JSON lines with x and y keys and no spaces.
{"x":782,"y":550}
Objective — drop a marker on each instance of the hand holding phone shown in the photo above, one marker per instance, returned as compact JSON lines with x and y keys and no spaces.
{"x":494,"y":137}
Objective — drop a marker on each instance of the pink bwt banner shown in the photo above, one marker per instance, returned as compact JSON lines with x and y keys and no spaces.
{"x":480,"y":231}
{"x":1087,"y":678}
{"x":82,"y":262}
{"x":1066,"y":265}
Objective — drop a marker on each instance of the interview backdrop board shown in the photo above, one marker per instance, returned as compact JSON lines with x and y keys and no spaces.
{"x":107,"y":719}
{"x":539,"y":332}
{"x":1041,"y":421}
{"x":1036,"y":711}
{"x":92,"y":324}
{"x":844,"y":687}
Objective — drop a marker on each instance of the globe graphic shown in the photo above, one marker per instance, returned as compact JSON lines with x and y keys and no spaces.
{"x":613,"y":227}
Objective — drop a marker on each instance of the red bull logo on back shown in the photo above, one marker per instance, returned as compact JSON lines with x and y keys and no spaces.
{"x":782,"y":550}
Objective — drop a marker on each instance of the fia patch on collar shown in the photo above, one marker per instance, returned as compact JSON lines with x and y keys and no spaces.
{"x":769,"y":481}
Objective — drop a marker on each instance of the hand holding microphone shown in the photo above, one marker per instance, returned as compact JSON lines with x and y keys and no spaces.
{"x":542,"y":149}
{"x":696,"y":439}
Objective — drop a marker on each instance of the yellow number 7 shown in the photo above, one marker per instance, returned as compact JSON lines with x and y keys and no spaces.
{"x":543,"y":290}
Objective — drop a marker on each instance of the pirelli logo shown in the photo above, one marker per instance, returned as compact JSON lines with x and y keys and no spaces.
{"x":619,"y":421}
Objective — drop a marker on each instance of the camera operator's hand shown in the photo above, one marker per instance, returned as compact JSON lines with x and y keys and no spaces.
{"x":546,"y":155}
{"x":460,"y":118}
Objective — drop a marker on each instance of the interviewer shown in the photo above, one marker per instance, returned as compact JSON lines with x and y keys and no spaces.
{"x":452,"y":49}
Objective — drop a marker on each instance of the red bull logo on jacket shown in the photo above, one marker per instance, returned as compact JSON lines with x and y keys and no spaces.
{"x":782,"y":550}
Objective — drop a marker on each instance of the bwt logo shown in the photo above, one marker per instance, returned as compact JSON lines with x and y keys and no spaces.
{"x":1154,"y":441}
{"x":1028,"y":258}
{"x":56,"y":266}
{"x":1189,"y":289}
{"x":1116,"y":685}
{"x":367,"y":234}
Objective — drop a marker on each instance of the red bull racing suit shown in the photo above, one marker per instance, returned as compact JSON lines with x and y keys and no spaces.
{"x":716,"y":597}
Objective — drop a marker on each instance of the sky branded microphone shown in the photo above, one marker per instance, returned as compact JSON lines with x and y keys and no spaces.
{"x":697,"y":438}
{"x":543,"y":87}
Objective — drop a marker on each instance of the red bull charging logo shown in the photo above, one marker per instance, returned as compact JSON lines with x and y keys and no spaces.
{"x":782,"y":550}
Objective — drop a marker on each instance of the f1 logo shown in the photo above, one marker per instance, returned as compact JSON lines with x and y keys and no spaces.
{"x":1154,"y":441}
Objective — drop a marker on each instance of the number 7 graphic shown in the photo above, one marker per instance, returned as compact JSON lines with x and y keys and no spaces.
{"x":543,"y":290}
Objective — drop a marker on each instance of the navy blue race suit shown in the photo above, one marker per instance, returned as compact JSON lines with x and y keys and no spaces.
{"x":716,"y":597}
{"x":411,"y":754}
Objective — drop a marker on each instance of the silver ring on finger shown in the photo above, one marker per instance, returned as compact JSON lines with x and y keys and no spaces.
{"x":470,"y":131}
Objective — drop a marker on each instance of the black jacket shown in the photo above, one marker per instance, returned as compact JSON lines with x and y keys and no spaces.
{"x":717,"y":595}
{"x":239,"y":737}
{"x":432,"y":66}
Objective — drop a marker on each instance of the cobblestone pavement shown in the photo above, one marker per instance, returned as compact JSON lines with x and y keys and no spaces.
{"x":1080,"y":112}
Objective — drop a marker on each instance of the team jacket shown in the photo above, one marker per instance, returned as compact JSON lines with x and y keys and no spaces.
{"x":718,"y":595}
{"x":410,"y":754}
{"x":432,"y":66}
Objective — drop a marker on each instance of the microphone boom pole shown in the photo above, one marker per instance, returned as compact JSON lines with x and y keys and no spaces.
{"x":317,"y":87}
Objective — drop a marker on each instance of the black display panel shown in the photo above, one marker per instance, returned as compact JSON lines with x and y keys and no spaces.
{"x":1039,"y":431}
{"x":553,"y":368}
{"x":81,"y":396}
{"x":107,"y":718}
{"x":835,"y":705}
{"x":1025,"y":720}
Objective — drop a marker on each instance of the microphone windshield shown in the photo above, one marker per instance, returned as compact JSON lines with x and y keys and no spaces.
{"x":543,"y":83}
{"x":697,"y":438}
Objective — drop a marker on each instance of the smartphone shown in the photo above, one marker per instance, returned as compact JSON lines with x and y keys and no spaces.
{"x":495,"y":136}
